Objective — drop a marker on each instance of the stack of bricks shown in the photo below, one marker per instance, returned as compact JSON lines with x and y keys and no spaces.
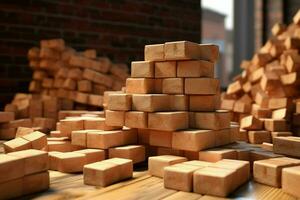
{"x":23,"y":172}
{"x":172,"y":98}
{"x":261,"y":97}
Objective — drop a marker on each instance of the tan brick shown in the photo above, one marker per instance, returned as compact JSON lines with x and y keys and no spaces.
{"x":69,"y":125}
{"x":258,"y":137}
{"x":36,"y":183}
{"x":275,"y":124}
{"x":16,"y":144}
{"x":290,"y":181}
{"x":105,"y":139}
{"x":251,"y":123}
{"x":136,"y":153}
{"x":37,"y":139}
{"x":136,"y":119}
{"x":84,"y":86}
{"x":79,"y":138}
{"x":193,"y":140}
{"x":142,"y":69}
{"x":173,"y":86}
{"x":119,"y":102}
{"x":150,"y":102}
{"x":114,"y":118}
{"x":160,"y":138}
{"x":287,"y":146}
{"x":211,"y":120}
{"x":204,"y":102}
{"x":179,"y":102}
{"x":214,"y":155}
{"x":157,"y":164}
{"x":195,"y":68}
{"x":166,"y":69}
{"x":11,"y":168}
{"x":154,"y":52}
{"x":172,"y":121}
{"x":140,"y":85}
{"x":11,"y":189}
{"x":92,"y":155}
{"x":208,"y":86}
{"x":70,"y":162}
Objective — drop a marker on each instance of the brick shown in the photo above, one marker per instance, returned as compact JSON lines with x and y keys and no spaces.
{"x":204,"y":102}
{"x":136,"y":119}
{"x":195,"y":68}
{"x":142,"y":69}
{"x":157,"y":164}
{"x":275,"y":124}
{"x":150,"y":102}
{"x":81,"y":97}
{"x":160,"y":138}
{"x":223,"y":181}
{"x":227,"y":104}
{"x":107,"y":172}
{"x":37,"y":139}
{"x":57,"y":44}
{"x":251,"y":123}
{"x":79,"y":138}
{"x":35,"y":161}
{"x":140,"y":85}
{"x":11,"y":168}
{"x":259,"y":137}
{"x":234,"y":88}
{"x":154,"y":52}
{"x":193,"y":140}
{"x":69,"y":125}
{"x":223,"y":137}
{"x":92,"y":155}
{"x":269,"y":171}
{"x":214,"y":155}
{"x":281,"y":134}
{"x":143,"y":136}
{"x":287,"y":146}
{"x":22,"y":131}
{"x":6,"y":116}
{"x":276,"y":103}
{"x":173,"y":86}
{"x":97,"y":123}
{"x":61,"y":146}
{"x":166,"y":69}
{"x":179,"y":102}
{"x":211,"y":120}
{"x":290,"y":181}
{"x":114,"y":118}
{"x":95,"y":100}
{"x":136,"y":153}
{"x":16,"y":144}
{"x":119,"y":102}
{"x":70,"y":162}
{"x":261,"y":112}
{"x":105,"y":139}
{"x":179,"y":177}
{"x":172,"y":121}
{"x":209,"y":86}
{"x":84,"y":86}
{"x":168,"y":151}
{"x":36,"y":183}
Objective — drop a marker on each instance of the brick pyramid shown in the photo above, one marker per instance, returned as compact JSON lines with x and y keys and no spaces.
{"x":172,"y":98}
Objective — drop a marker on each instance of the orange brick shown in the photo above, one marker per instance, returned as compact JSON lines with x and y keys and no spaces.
{"x":105,"y":139}
{"x":136,"y":153}
{"x":140,"y":85}
{"x":37,"y":139}
{"x":142,"y":69}
{"x":160,"y":138}
{"x":203,"y":102}
{"x":211,"y":120}
{"x":166,"y":69}
{"x":172,"y":121}
{"x":258,"y":137}
{"x":150,"y":102}
{"x":136,"y":119}
{"x":92,"y":155}
{"x":70,"y":162}
{"x":97,"y":123}
{"x":154,"y":52}
{"x":69,"y":125}
{"x":119,"y":102}
{"x":84,"y":86}
{"x":209,"y":86}
{"x":11,"y":189}
{"x":11,"y":168}
{"x":17,"y":144}
{"x":179,"y":102}
{"x":195,"y":68}
{"x":173,"y":86}
{"x":114,"y":118}
{"x":36,"y":183}
{"x":79,"y":138}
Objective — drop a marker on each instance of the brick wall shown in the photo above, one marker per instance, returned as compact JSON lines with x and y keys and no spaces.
{"x":116,"y":28}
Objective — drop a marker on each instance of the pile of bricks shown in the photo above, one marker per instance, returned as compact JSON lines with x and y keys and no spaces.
{"x":23,"y":172}
{"x":262,"y":97}
{"x":172,"y":98}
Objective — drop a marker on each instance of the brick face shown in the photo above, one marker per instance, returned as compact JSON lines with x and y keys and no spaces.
{"x":118,"y":29}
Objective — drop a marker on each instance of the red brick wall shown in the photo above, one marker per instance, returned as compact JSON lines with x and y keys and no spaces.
{"x":118,"y":29}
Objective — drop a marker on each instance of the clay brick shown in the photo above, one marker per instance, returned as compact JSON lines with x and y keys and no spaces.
{"x":114,"y":118}
{"x":276,"y":103}
{"x":172,"y":121}
{"x":168,"y":151}
{"x":97,"y":123}
{"x":222,"y":180}
{"x":290,"y":181}
{"x":140,"y":85}
{"x":269,"y":171}
{"x":275,"y":124}
{"x":150,"y":102}
{"x":251,"y":123}
{"x":227,"y":104}
{"x":281,"y":134}
{"x":119,"y":102}
{"x":142,"y":69}
{"x":136,"y":119}
{"x":37,"y":139}
{"x":81,"y":97}
{"x":84,"y":86}
{"x":211,"y":120}
{"x":35,"y":161}
{"x":223,"y":137}
{"x":267,"y":146}
{"x":61,"y":146}
{"x":11,"y":168}
{"x":214,"y":155}
{"x":6,"y":116}
{"x":160,"y":138}
{"x":157,"y":164}
{"x":105,"y":139}
{"x":70,"y":162}
{"x":260,"y":112}
{"x":154,"y":52}
{"x":195,"y":68}
{"x":173,"y":86}
{"x":36,"y":183}
{"x":166,"y":69}
{"x":179,"y":177}
{"x":69,"y":125}
{"x":209,"y":86}
{"x":287,"y":146}
{"x":22,"y":131}
{"x":258,"y":137}
{"x":203,"y":102}
{"x":16,"y":144}
{"x":95,"y":100}
{"x":92,"y":155}
{"x":193,"y":140}
{"x":107,"y":172}
{"x":79,"y":138}
{"x":234,"y":88}
{"x":136,"y":153}
{"x":143,"y":136}
{"x":179,"y":102}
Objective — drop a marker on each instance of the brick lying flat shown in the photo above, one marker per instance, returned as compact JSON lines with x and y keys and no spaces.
{"x":11,"y":189}
{"x":154,"y":52}
{"x":120,"y":102}
{"x":290,"y":180}
{"x":269,"y":171}
{"x":287,"y":146}
{"x":79,"y":138}
{"x":36,"y":183}
{"x":71,"y":124}
{"x":214,"y":155}
{"x":97,"y":123}
{"x":203,"y":102}
{"x":251,"y":123}
{"x":140,"y":85}
{"x":34,"y":160}
{"x":136,"y":153}
{"x":195,"y":68}
{"x":193,"y":140}
{"x":160,"y":138}
{"x":150,"y":102}
{"x":275,"y":124}
{"x":209,"y":86}
{"x":92,"y":155}
{"x":136,"y":119}
{"x":70,"y":162}
{"x":157,"y":164}
{"x":259,"y":137}
{"x":107,"y":172}
{"x":179,"y":176}
{"x":172,"y":121}
{"x":37,"y":139}
{"x":165,"y":69}
{"x":16,"y":144}
{"x":142,"y":69}
{"x":210,"y":120}
{"x":115,"y":118}
{"x":6,"y":116}
{"x":11,"y":168}
{"x":173,"y":86}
